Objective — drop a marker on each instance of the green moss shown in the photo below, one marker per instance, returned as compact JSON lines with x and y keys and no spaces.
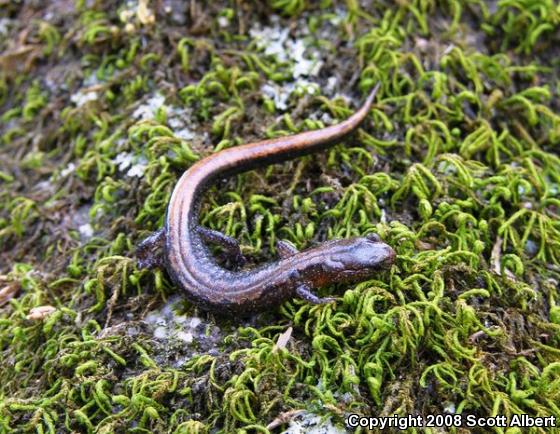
{"x":457,"y":168}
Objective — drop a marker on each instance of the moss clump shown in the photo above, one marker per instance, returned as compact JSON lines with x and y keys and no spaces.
{"x":457,"y":168}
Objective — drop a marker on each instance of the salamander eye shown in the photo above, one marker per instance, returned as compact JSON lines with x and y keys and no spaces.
{"x":373,"y":237}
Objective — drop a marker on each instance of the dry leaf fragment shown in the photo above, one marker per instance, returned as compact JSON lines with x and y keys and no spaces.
{"x":495,"y":256}
{"x":144,"y":14}
{"x":283,"y":339}
{"x":8,"y":291}
{"x":40,"y":312}
{"x":20,"y":59}
{"x":283,"y":418}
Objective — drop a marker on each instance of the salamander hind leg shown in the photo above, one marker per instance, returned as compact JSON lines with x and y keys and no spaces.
{"x":304,"y":292}
{"x":230,"y":245}
{"x":150,"y":251}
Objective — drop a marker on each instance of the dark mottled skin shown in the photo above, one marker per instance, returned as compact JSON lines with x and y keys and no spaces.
{"x":192,"y":266}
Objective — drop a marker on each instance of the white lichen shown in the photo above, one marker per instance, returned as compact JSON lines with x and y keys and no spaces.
{"x":309,"y":423}
{"x":223,"y":21}
{"x":68,"y":170}
{"x":86,"y":230}
{"x":271,"y":39}
{"x":161,"y":332}
{"x":281,"y":94}
{"x":449,"y":408}
{"x":307,"y":61}
{"x":177,"y":120}
{"x":5,"y":24}
{"x":83,"y":97}
{"x":171,"y":328}
{"x":303,"y":65}
{"x":148,"y":110}
{"x":135,"y":165}
{"x":276,"y":93}
{"x":185,"y":336}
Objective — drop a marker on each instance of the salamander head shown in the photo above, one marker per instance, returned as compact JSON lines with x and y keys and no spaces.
{"x":358,"y":258}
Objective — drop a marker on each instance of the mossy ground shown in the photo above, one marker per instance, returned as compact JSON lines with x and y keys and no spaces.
{"x":104,"y":106}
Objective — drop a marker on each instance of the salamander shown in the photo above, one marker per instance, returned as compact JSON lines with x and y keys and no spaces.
{"x":181,"y":245}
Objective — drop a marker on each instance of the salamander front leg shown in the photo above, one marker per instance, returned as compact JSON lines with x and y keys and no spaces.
{"x":150,"y":251}
{"x":304,"y":292}
{"x":230,"y":245}
{"x":285,"y":249}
